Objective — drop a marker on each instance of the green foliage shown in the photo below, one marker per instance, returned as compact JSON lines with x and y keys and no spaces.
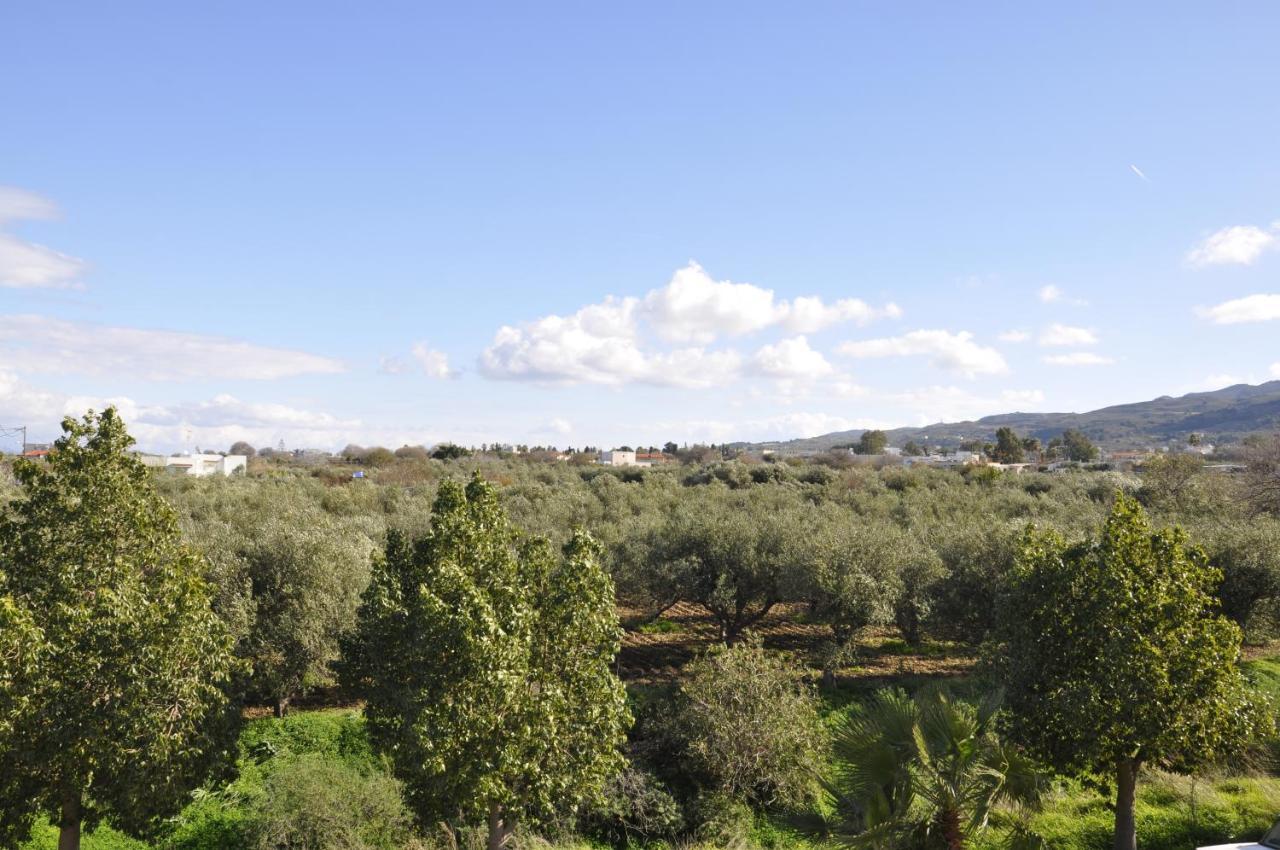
{"x":485,"y":662}
{"x":926,"y":770}
{"x":747,"y":729}
{"x":314,"y":803}
{"x":1008,"y":447}
{"x":1115,"y":655}
{"x":871,"y":442}
{"x":113,"y":664}
{"x":634,"y":808}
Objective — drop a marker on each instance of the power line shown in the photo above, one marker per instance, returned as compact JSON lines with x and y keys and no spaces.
{"x":13,"y":431}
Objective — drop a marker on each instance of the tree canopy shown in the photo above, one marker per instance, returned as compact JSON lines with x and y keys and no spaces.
{"x":485,"y":661}
{"x":113,"y":666}
{"x":1116,"y":657}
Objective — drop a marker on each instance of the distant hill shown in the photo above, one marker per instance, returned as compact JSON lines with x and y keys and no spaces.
{"x":1223,"y":415}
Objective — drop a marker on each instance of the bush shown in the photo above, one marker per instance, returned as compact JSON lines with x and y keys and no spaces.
{"x":636,"y":808}
{"x":747,"y":728}
{"x":315,"y":803}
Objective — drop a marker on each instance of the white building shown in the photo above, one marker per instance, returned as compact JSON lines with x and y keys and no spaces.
{"x":616,"y":458}
{"x":198,"y":464}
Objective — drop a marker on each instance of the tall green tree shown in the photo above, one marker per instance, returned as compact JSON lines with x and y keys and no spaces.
{"x":485,"y":662}
{"x":1008,"y":447}
{"x":926,"y":771}
{"x":871,"y":442}
{"x":113,"y":666}
{"x":1116,"y":656}
{"x":1078,"y":447}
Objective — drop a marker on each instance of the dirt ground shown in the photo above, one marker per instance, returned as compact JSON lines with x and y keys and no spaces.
{"x":657,"y":654}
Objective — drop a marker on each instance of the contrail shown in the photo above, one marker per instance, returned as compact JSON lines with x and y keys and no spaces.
{"x":1138,"y":171}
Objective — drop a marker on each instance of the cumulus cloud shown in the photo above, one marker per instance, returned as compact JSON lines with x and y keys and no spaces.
{"x":790,"y":359}
{"x":1251,"y":308}
{"x":1239,"y":245}
{"x":28,"y":265}
{"x":1014,"y":336}
{"x":955,"y":352}
{"x":1066,"y":336}
{"x":434,"y":364}
{"x":1078,"y":358}
{"x":30,"y":344}
{"x":611,"y":342}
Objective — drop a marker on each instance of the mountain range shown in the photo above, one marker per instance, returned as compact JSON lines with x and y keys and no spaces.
{"x":1221,"y":416}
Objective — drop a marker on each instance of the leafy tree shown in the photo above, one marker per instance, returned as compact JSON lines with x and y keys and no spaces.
{"x":1171,"y":481}
{"x":412,"y":453}
{"x":1031,"y":445}
{"x":1078,"y":447}
{"x":305,"y":578}
{"x":1248,"y":553}
{"x":1116,"y":656}
{"x":1008,"y":447}
{"x":1262,"y":475}
{"x":854,"y":581}
{"x":913,"y":449}
{"x":926,"y":771}
{"x":112,"y":663}
{"x":485,"y":663}
{"x":747,"y":728}
{"x":240,"y":447}
{"x":871,"y":443}
{"x":733,"y":556}
{"x":670,"y":447}
{"x":449,"y":451}
{"x":378,"y":456}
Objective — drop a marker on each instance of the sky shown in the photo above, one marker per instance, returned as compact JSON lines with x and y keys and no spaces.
{"x":602,"y":224}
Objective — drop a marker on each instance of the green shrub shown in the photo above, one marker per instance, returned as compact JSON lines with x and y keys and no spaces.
{"x":636,"y":809}
{"x":315,"y":803}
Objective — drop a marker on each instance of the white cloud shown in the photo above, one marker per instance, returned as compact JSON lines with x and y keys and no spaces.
{"x":610,"y":342}
{"x":28,"y":265}
{"x":955,"y":352}
{"x":1239,"y":245}
{"x":212,"y":424}
{"x":1078,"y":358}
{"x":1014,"y":336}
{"x":1064,"y":336}
{"x":44,"y":344}
{"x":791,"y":359}
{"x":435,"y":364}
{"x":694,"y":308}
{"x":1251,"y":308}
{"x":810,"y":315}
{"x":1051,"y":294}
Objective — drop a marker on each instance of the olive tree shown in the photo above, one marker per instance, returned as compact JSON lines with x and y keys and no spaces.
{"x":113,"y":666}
{"x":485,"y":663}
{"x":736,"y":555}
{"x":1116,"y":657}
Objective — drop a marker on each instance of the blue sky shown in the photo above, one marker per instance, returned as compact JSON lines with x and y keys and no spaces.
{"x":597,"y":223}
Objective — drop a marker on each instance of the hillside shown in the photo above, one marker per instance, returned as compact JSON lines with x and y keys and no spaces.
{"x":1223,"y":415}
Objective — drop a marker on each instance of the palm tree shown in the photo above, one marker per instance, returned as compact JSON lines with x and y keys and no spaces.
{"x":926,"y":772}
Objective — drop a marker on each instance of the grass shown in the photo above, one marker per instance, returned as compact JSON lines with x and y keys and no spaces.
{"x":1174,"y":812}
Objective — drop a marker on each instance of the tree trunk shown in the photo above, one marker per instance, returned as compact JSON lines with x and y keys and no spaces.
{"x":282,"y":705}
{"x":500,"y":828}
{"x":69,"y":822}
{"x":1126,"y":836}
{"x":949,"y":825}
